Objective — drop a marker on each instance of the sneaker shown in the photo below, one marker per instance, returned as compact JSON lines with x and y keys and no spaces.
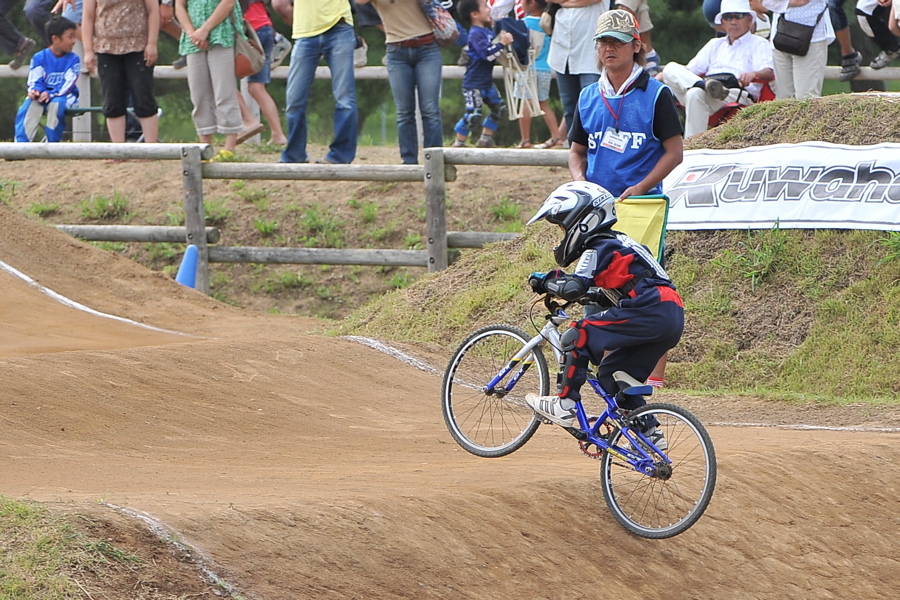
{"x":850,"y":66}
{"x":652,"y":67}
{"x":458,"y":143}
{"x":25,"y":48}
{"x":223,"y":156}
{"x":281,"y":50}
{"x":549,"y":408}
{"x":360,"y":56}
{"x":886,"y":57}
{"x":656,"y":437}
{"x":180,"y":62}
{"x":485,"y":142}
{"x":715,"y":88}
{"x":463,"y":58}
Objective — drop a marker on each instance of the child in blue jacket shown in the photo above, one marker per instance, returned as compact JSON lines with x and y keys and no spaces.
{"x":478,"y":82}
{"x":52,"y":80}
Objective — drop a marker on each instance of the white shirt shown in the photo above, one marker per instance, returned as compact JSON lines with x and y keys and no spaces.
{"x":572,"y":42}
{"x":747,"y":53}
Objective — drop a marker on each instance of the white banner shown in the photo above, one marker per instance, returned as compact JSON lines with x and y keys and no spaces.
{"x":812,"y":185}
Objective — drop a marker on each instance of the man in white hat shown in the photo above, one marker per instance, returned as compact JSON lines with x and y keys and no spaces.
{"x":739,"y":53}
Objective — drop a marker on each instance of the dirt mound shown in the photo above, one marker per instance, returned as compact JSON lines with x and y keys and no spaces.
{"x":299,"y":466}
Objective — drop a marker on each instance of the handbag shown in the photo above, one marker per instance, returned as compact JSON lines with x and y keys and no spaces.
{"x":249,"y":57}
{"x":442,"y":22}
{"x":794,"y":38}
{"x":548,"y":18}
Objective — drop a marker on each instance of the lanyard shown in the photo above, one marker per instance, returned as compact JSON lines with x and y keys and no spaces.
{"x":610,"y":109}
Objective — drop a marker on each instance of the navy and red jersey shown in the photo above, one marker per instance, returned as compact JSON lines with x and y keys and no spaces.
{"x":622,"y":267}
{"x":483,"y":53}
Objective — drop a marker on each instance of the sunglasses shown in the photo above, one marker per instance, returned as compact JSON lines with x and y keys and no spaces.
{"x":611,"y":42}
{"x":733,"y":16}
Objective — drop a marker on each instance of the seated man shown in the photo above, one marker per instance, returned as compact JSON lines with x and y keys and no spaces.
{"x":739,"y":53}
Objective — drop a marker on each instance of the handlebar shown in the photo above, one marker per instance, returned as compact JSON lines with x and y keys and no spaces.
{"x":554,"y":304}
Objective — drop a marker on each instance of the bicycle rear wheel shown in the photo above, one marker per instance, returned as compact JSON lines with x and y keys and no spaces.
{"x":668,"y":503}
{"x":492,"y":423}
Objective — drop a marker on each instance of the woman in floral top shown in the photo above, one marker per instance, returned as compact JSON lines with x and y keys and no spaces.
{"x":207,"y":40}
{"x":119,"y":38}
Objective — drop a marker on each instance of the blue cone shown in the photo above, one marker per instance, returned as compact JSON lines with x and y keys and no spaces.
{"x":187,"y":272}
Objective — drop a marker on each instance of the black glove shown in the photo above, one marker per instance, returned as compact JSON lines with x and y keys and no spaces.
{"x":536,"y":281}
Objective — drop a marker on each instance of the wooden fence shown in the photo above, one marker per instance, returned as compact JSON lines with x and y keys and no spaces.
{"x":439,"y":168}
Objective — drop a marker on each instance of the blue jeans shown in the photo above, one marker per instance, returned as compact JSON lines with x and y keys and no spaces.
{"x":412,"y":70}
{"x":570,"y":87}
{"x":10,"y":37}
{"x":38,"y":13}
{"x":337,"y":46}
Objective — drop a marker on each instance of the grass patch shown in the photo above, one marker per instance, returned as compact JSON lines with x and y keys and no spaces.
{"x":323,"y":230}
{"x":103,"y":208}
{"x":42,"y":210}
{"x":215,"y":211}
{"x":41,"y":555}
{"x":506,"y":210}
{"x":7,"y":190}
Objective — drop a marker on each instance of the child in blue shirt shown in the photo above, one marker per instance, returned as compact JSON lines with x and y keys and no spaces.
{"x":52,"y":80}
{"x":478,"y":82}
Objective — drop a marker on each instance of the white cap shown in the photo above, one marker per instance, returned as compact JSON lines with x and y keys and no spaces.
{"x":733,"y":6}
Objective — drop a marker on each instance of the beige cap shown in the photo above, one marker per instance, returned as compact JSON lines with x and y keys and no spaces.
{"x":618,"y":24}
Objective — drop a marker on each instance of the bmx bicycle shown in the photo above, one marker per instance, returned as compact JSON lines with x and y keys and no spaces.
{"x":652,"y":492}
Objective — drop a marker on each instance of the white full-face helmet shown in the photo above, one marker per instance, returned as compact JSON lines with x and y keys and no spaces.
{"x":583,"y":210}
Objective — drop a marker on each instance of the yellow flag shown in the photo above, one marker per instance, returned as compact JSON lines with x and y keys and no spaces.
{"x":644,"y":218}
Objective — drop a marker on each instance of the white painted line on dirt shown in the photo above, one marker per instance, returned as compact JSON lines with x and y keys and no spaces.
{"x":165,"y":535}
{"x":390,"y":351}
{"x":406,"y":358}
{"x":811,"y":427}
{"x":77,"y":306}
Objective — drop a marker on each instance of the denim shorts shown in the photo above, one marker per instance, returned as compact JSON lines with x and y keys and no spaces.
{"x":267,"y":37}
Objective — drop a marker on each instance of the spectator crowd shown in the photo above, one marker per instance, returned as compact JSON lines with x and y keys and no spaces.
{"x":755,"y":48}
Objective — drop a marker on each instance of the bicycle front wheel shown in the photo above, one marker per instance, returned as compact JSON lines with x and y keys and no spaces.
{"x":669,"y":502}
{"x":492,"y":422}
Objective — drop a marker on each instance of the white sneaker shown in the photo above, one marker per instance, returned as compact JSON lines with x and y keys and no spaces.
{"x":549,"y":407}
{"x":360,"y":56}
{"x":281,"y":50}
{"x":655,"y":435}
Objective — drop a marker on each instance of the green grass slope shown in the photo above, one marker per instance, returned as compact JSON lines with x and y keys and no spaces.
{"x":780,"y":313}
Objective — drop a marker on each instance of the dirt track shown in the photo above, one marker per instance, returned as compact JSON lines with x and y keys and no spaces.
{"x":310,"y":467}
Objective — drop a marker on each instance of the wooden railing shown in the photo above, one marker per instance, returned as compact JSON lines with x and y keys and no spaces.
{"x":439,"y":168}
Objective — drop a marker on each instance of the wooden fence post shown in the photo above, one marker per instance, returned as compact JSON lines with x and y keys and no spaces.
{"x":194,"y":219}
{"x":436,"y":209}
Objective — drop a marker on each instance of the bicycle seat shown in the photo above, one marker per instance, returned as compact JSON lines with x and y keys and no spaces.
{"x":629,"y":386}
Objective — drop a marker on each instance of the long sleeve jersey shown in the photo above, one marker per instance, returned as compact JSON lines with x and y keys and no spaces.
{"x":56,"y":75}
{"x":483,"y":54}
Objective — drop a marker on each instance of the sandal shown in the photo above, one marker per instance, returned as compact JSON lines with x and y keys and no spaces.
{"x":249,"y":133}
{"x":524,"y":144}
{"x":551,"y":143}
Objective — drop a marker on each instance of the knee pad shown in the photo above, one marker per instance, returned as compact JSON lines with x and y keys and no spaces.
{"x":573,"y":338}
{"x":572,"y":375}
{"x":474,"y":119}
